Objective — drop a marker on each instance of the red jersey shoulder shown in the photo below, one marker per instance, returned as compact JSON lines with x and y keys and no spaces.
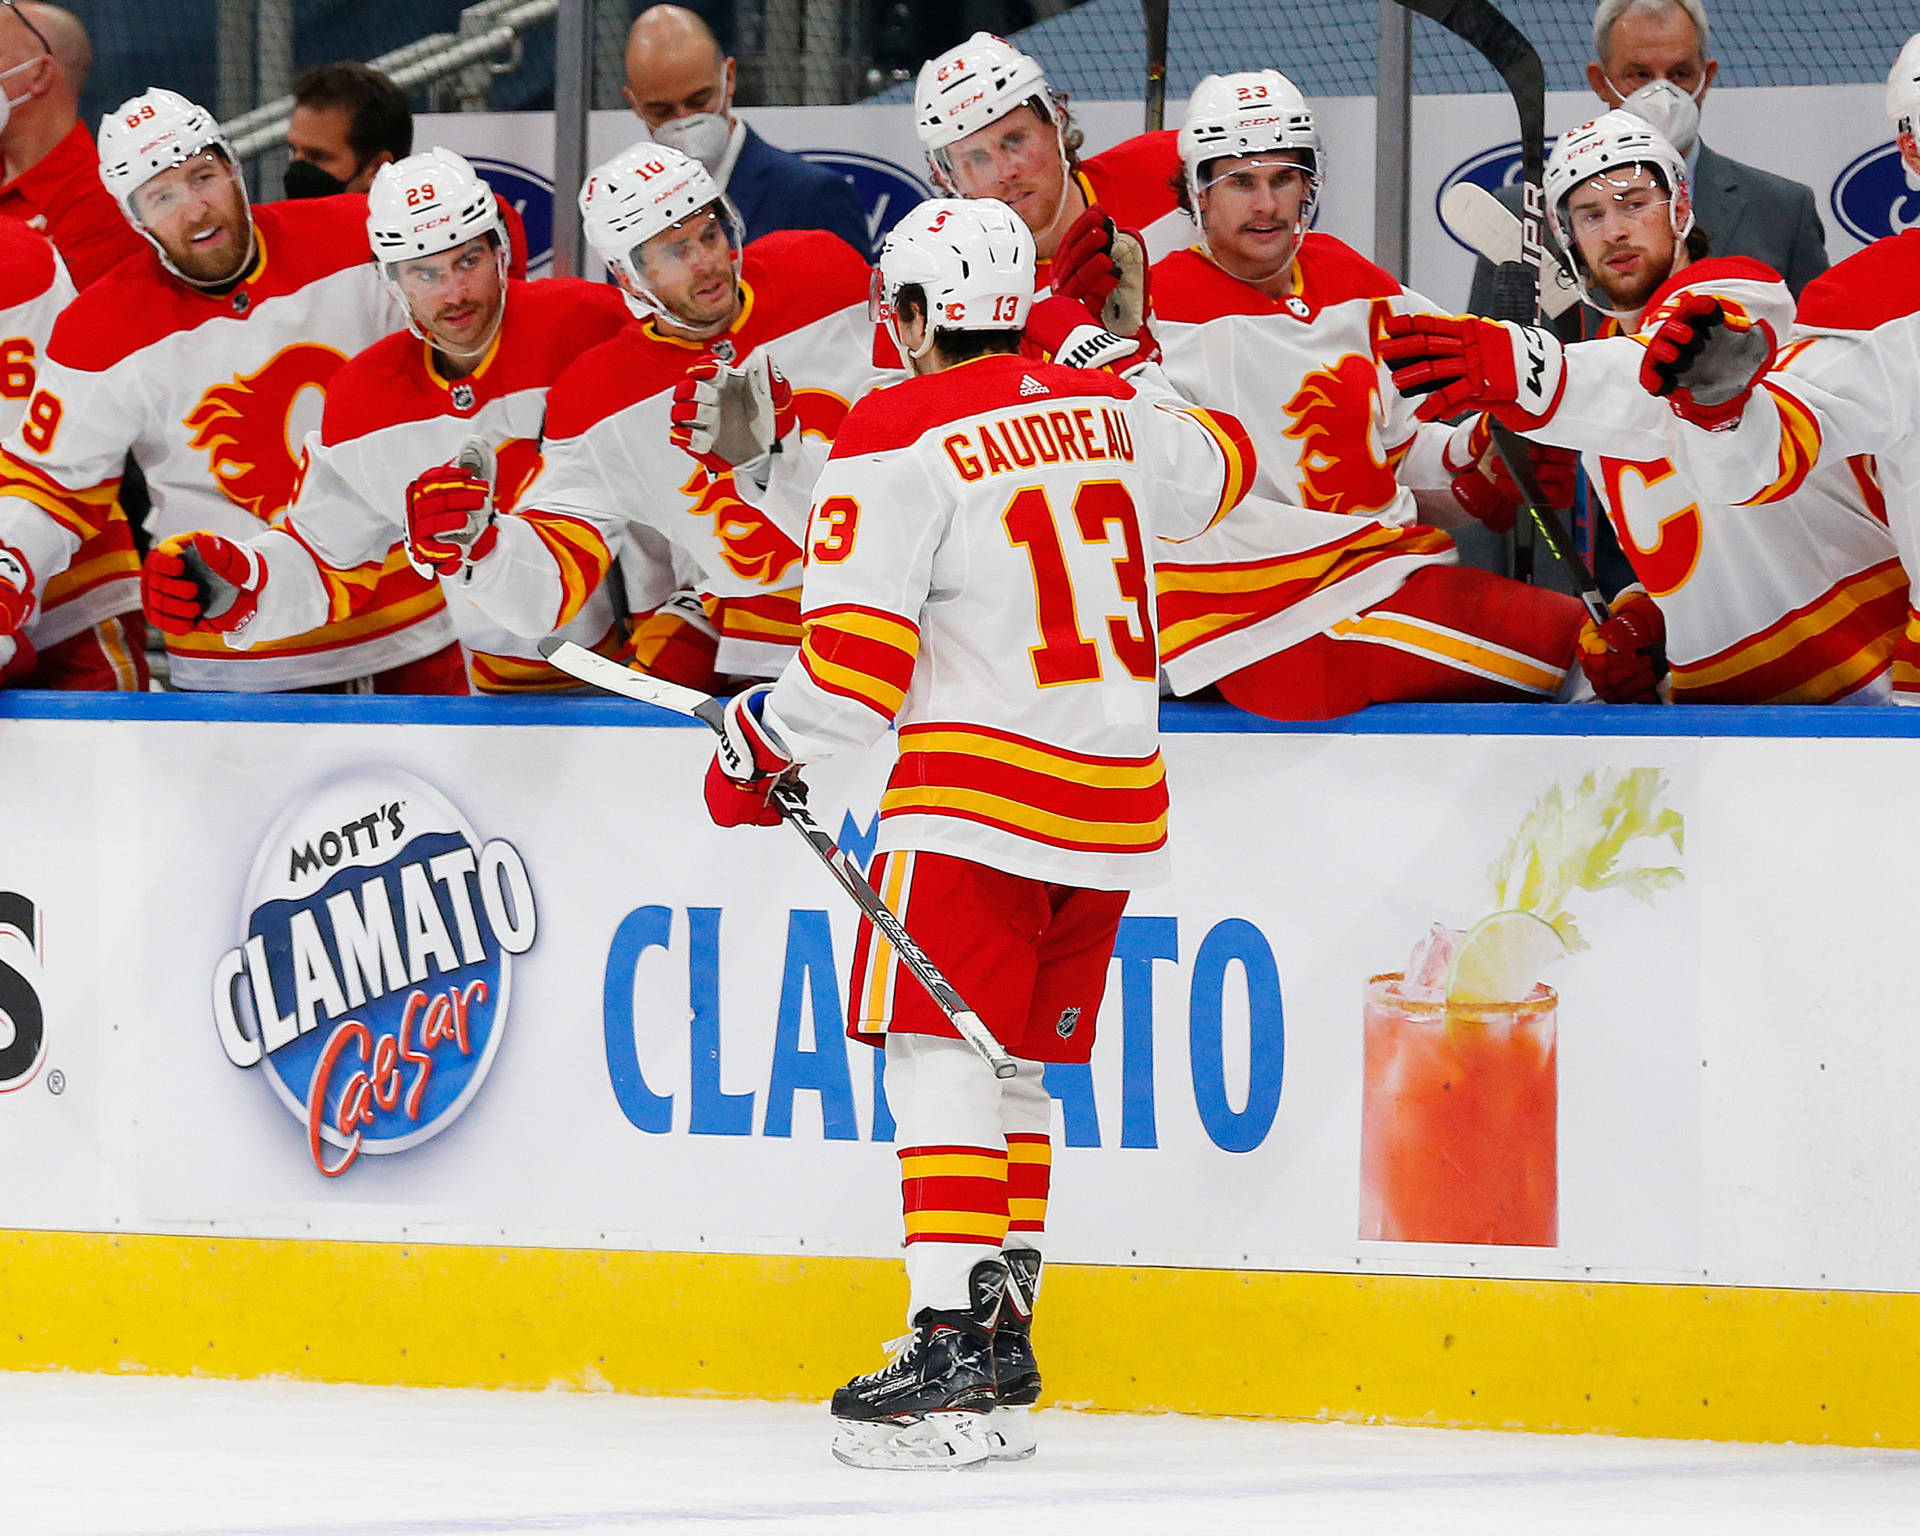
{"x":1134,"y":179}
{"x":1708,"y":271}
{"x":798,"y":276}
{"x":572,"y":314}
{"x":1869,"y":288}
{"x":380,"y":387}
{"x":27,"y":263}
{"x":903,"y":413}
{"x":139,"y":302}
{"x":629,"y":367}
{"x":1188,"y":289}
{"x":1333,"y":272}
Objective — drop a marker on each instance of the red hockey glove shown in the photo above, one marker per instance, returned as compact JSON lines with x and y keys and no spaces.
{"x":678,"y":642}
{"x":1625,"y":658}
{"x":1705,"y":362}
{"x":746,"y":765}
{"x":16,"y":591}
{"x":1486,"y":491}
{"x":18,"y":658}
{"x":1063,"y":331}
{"x":200,"y":581}
{"x":1461,"y":363}
{"x":726,"y":417}
{"x":1083,"y":266}
{"x":449,"y":520}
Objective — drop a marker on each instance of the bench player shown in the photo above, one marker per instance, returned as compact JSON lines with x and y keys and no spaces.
{"x":1848,"y":383}
{"x":472,"y":368}
{"x":680,"y":445}
{"x":979,"y":567}
{"x":207,"y":358}
{"x":1801,"y":601}
{"x":1325,"y":592}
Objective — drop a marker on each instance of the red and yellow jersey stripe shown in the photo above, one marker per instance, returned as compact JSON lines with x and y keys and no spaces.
{"x":530,"y":674}
{"x":105,"y":555}
{"x":1906,"y":662}
{"x":81,"y":513}
{"x":385,"y":598}
{"x":864,"y":654}
{"x":1029,"y":1172}
{"x":1236,"y":449}
{"x":1799,"y":447}
{"x":771,"y":619}
{"x":579,"y":552}
{"x":1200,"y":603}
{"x":1044,"y":794}
{"x":1822,"y":651}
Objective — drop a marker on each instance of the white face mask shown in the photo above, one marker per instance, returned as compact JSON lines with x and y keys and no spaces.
{"x":7,"y":103}
{"x":702,"y":136}
{"x":1670,"y":109}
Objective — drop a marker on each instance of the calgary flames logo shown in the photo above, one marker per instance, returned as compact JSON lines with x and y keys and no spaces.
{"x":1341,"y":469}
{"x":246,"y":427}
{"x":1657,"y":520}
{"x":754,"y":549}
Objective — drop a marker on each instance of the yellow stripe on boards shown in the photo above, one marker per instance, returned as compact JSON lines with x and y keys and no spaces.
{"x":1702,"y":1362}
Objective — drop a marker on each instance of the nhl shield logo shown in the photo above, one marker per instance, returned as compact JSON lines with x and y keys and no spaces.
{"x":242,"y":301}
{"x":1298,"y":307}
{"x":463,"y":396}
{"x":1069,"y":1021}
{"x":724,"y":349}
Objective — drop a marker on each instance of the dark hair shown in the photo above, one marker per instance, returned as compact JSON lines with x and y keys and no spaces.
{"x":378,"y":117}
{"x":954,"y":346}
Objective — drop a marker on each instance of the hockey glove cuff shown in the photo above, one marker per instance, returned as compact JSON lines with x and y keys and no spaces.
{"x":1455,"y":363}
{"x":748,"y":762}
{"x":1063,"y":331}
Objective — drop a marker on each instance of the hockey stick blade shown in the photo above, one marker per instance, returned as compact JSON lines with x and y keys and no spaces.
{"x":1476,"y":216}
{"x":791,"y":798}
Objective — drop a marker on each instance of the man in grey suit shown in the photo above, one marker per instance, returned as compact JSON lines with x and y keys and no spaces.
{"x":1744,"y":211}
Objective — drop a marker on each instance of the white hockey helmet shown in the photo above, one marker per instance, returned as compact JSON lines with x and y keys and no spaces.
{"x":1903,"y":86}
{"x":970,"y":87}
{"x":1254,"y":112}
{"x":642,"y":192}
{"x":972,"y":257}
{"x":1615,"y":140}
{"x":426,"y":204}
{"x":154,"y":132}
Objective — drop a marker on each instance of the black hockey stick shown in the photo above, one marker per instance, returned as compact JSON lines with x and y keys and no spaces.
{"x":1155,"y":12}
{"x":791,"y":799}
{"x":1516,"y":284}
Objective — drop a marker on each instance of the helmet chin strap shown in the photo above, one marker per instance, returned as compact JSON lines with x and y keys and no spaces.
{"x":439,"y":343}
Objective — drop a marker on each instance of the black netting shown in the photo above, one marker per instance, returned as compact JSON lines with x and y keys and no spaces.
{"x":1097,"y":51}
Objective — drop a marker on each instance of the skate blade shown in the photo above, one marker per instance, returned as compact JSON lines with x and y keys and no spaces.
{"x":1011,"y":1431}
{"x":939,"y":1442}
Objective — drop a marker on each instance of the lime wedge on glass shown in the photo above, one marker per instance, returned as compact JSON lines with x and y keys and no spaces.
{"x":1501,"y":959}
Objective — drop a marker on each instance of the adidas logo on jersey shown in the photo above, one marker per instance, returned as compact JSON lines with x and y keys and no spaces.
{"x":1029,"y":385}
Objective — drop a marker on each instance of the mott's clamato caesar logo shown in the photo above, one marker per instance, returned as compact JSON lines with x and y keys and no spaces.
{"x":370,"y":983}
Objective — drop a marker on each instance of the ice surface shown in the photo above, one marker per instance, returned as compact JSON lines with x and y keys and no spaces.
{"x":143,"y":1456}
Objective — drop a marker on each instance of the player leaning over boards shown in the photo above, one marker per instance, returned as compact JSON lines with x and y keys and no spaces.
{"x":979,"y":567}
{"x":1324,"y":593}
{"x":207,"y":359}
{"x":1848,"y":383}
{"x":1798,"y":602}
{"x":679,"y":445}
{"x":444,"y":415}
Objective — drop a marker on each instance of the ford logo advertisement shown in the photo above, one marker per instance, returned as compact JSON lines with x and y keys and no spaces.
{"x":886,"y":191}
{"x":530,"y":195}
{"x":1872,"y":198}
{"x":1493,"y":169}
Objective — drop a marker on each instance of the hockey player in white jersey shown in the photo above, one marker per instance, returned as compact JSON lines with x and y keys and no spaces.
{"x":454,"y":422}
{"x":87,"y":632}
{"x":1799,"y":602}
{"x":680,"y":444}
{"x":979,"y":570}
{"x":1326,"y":591}
{"x":208,"y":358}
{"x":1755,"y":430}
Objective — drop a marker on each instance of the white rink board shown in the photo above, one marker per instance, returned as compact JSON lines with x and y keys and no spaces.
{"x":1838,"y":142}
{"x":1736,"y":1059}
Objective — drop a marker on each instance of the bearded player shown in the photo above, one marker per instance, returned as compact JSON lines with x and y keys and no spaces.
{"x":680,"y":445}
{"x":206,"y":358}
{"x":979,"y":571}
{"x":1799,"y":601}
{"x":446,"y":412}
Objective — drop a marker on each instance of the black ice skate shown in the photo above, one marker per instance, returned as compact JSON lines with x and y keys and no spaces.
{"x":929,"y":1407}
{"x":1016,"y":1373}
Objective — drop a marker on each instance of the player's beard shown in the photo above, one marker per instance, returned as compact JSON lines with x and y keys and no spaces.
{"x":1629,"y":294}
{"x":225,"y":260}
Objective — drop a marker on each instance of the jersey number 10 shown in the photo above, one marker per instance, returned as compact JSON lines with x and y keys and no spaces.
{"x":1065,"y":654}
